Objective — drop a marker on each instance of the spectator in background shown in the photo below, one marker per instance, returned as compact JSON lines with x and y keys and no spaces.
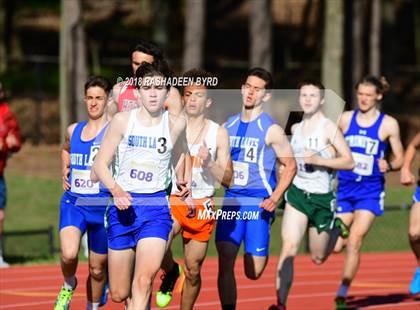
{"x":10,"y":142}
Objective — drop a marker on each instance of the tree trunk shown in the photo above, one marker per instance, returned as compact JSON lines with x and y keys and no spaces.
{"x":260,"y":24}
{"x":194,"y":34}
{"x":332,"y":55}
{"x":79,"y":56}
{"x":160,"y":31}
{"x":358,"y":28}
{"x":390,"y":49}
{"x":64,"y":71}
{"x":375,"y":39}
{"x":73,"y":66}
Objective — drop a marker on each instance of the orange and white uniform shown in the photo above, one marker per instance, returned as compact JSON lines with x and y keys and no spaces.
{"x":203,"y":186}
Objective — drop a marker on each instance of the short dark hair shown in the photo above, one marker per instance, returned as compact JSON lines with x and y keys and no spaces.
{"x":149,"y":48}
{"x":156,"y":68}
{"x":262,"y":74}
{"x":98,"y":81}
{"x":313,"y":82}
{"x":196,"y":74}
{"x":381,"y":84}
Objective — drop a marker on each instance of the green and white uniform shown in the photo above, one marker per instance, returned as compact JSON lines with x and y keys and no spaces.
{"x":311,"y":192}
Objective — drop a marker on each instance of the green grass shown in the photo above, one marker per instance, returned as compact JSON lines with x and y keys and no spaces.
{"x":33,"y":203}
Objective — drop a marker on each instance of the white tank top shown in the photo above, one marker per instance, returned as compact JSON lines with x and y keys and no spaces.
{"x":312,"y":179}
{"x":202,"y":180}
{"x":142,"y":163}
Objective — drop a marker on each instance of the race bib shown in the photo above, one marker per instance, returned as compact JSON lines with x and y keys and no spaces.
{"x":82,"y":184}
{"x":304,"y":168}
{"x":364,"y":164}
{"x":240,"y":173}
{"x":142,"y":175}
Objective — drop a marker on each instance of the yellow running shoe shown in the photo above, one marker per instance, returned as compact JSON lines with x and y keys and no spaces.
{"x":164,"y":295}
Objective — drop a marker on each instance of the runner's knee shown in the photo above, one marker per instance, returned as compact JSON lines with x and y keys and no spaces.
{"x":318,"y":258}
{"x":142,"y":281}
{"x":414,"y":233}
{"x":254,"y":268}
{"x":97,"y":272}
{"x":69,"y":254}
{"x":118,"y":294}
{"x":226,"y":258}
{"x":290,"y":248}
{"x":354,"y":243}
{"x":192,"y":274}
{"x":253,"y":274}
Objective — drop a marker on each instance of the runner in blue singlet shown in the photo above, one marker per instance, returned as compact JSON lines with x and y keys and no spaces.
{"x":256,"y":143}
{"x":360,"y":193}
{"x":84,"y":202}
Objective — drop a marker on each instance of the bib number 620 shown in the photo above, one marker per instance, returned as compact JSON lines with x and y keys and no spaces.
{"x":83,"y":183}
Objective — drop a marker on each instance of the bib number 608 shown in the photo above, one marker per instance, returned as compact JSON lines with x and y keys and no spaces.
{"x":141,"y":175}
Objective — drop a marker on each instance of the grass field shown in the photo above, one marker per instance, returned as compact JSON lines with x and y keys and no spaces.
{"x":33,"y":203}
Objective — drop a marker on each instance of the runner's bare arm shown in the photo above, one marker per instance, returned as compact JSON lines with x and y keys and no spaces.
{"x":65,"y":156}
{"x":112,"y":105}
{"x":112,"y":137}
{"x":393,"y":134}
{"x":344,"y":159}
{"x":277,"y":139}
{"x":178,"y":135}
{"x":174,"y":103}
{"x":344,"y":122}
{"x":407,"y":177}
{"x":221,"y":168}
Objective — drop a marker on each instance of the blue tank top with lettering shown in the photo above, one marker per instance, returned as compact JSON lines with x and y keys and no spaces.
{"x":82,"y":155}
{"x":366,"y":148}
{"x":254,"y":162}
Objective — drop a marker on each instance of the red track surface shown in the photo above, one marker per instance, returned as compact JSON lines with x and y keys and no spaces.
{"x":381,"y":283}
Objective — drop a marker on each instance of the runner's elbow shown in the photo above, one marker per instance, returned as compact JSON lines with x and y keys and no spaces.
{"x":93,"y":175}
{"x":227,"y":179}
{"x":350,"y":164}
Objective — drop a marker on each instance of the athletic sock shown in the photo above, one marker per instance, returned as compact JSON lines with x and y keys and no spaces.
{"x":92,"y":306}
{"x":229,"y":307}
{"x":342,"y":290}
{"x":69,"y":283}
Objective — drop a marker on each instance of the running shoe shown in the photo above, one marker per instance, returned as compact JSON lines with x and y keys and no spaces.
{"x":344,"y":229}
{"x":277,"y":307}
{"x":63,"y":299}
{"x":164,"y":295}
{"x":340,"y":303}
{"x":104,"y":297}
{"x":415,"y":283}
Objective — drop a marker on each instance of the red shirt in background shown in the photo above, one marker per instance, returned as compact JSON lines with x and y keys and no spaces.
{"x":8,"y":127}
